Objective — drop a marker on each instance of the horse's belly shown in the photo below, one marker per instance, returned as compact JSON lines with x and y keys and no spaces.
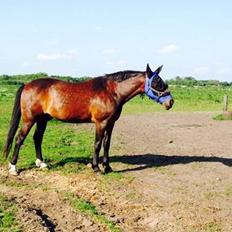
{"x":70,"y":113}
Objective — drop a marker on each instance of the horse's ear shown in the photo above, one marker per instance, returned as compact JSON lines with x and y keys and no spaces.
{"x":149,"y":71}
{"x":158,"y":70}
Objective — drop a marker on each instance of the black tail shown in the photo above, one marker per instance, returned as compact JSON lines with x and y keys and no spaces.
{"x":14,"y":123}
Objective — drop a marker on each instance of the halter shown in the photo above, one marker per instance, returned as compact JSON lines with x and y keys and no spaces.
{"x":158,"y":96}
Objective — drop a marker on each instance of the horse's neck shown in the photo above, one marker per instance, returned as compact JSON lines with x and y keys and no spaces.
{"x":129,"y":88}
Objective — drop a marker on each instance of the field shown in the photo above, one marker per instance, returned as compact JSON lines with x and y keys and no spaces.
{"x":172,"y":170}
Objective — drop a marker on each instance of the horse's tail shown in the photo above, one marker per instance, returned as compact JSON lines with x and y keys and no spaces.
{"x":14,"y":123}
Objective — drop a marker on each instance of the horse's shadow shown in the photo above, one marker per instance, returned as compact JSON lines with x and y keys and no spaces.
{"x":67,"y":160}
{"x":145,"y":161}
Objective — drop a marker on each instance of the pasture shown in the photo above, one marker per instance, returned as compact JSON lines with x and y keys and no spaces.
{"x":172,"y":170}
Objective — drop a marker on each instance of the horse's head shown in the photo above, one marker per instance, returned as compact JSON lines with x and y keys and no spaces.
{"x":156,"y":89}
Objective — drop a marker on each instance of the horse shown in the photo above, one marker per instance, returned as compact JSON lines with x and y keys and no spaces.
{"x":99,"y":100}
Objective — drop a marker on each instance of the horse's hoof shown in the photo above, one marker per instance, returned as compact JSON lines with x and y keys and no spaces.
{"x":107,"y":169}
{"x":13,"y":170}
{"x":96,"y":169}
{"x":40,"y":164}
{"x":13,"y":173}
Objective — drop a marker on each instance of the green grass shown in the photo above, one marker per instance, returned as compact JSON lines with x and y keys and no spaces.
{"x":207,"y":227}
{"x":88,"y":209}
{"x":165,"y":171}
{"x":117,"y":176}
{"x":219,"y":117}
{"x":228,"y":191}
{"x":111,"y":179}
{"x":8,"y":221}
{"x":222,"y":117}
{"x":212,"y":227}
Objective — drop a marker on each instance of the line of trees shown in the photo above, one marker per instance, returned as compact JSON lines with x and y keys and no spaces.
{"x":20,"y":79}
{"x":179,"y":81}
{"x":191,"y":81}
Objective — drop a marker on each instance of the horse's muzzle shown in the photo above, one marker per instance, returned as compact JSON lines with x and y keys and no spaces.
{"x":168,"y":104}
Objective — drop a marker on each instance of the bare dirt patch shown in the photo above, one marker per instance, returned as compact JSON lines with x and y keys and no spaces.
{"x":172,"y":173}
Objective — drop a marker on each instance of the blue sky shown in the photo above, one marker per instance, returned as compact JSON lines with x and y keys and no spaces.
{"x":77,"y":38}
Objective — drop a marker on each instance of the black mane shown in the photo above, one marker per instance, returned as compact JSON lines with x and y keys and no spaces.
{"x":99,"y":83}
{"x":122,"y":75}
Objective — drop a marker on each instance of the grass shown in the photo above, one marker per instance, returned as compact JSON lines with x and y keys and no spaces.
{"x":221,"y":117}
{"x":212,"y":227}
{"x":165,"y":171}
{"x":88,"y":209}
{"x":114,"y":179}
{"x":207,"y":227}
{"x":228,"y":191}
{"x":8,"y":221}
{"x":113,"y":176}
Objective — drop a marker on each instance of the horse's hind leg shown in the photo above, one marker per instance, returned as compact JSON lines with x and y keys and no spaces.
{"x":18,"y":143}
{"x":100,"y":129}
{"x":38,"y":138}
{"x":106,"y":145}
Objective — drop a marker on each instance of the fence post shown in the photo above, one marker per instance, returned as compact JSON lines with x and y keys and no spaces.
{"x":225,"y":106}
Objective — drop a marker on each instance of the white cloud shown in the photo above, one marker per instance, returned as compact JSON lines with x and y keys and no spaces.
{"x":53,"y":56}
{"x":110,"y":51}
{"x":170,"y":48}
{"x":69,"y":55}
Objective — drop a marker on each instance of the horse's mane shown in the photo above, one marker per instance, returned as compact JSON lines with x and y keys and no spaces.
{"x":122,"y":75}
{"x":99,"y":83}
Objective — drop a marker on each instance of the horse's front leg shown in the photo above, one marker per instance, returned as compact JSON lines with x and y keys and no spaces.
{"x":100,"y":130}
{"x":38,"y":137}
{"x":106,"y":144}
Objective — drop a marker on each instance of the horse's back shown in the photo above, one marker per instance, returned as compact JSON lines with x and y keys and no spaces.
{"x":73,"y":102}
{"x":35,"y":97}
{"x":42,"y":83}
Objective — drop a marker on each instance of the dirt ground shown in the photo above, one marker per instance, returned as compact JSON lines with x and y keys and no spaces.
{"x":173,"y":173}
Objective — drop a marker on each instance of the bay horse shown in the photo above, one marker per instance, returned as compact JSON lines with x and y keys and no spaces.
{"x":98,"y":100}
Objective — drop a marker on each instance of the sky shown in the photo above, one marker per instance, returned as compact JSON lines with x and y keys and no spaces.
{"x":92,"y":38}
